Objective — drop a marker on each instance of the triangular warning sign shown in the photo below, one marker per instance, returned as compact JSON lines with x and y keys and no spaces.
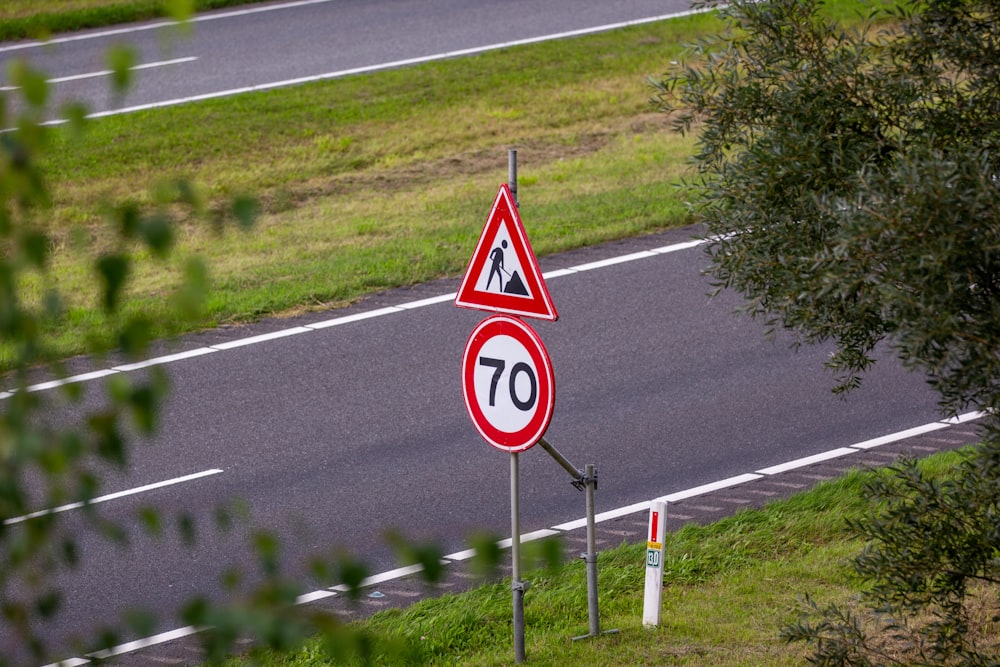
{"x":503,"y":275}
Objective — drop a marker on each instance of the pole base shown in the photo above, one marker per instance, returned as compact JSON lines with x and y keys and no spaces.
{"x":605,"y":632}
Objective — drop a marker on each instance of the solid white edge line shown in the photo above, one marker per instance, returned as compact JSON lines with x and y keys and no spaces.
{"x":262,"y":338}
{"x":129,"y":647}
{"x":900,"y":435}
{"x":398,"y":573}
{"x":381,"y":578}
{"x":708,"y":488}
{"x":357,"y":317}
{"x":612,"y":261}
{"x":968,"y":416}
{"x":808,"y":461}
{"x":166,"y":359}
{"x":674,"y":247}
{"x":558,"y":273}
{"x":83,"y":377}
{"x":430,"y":301}
{"x":108,"y":72}
{"x":529,"y":537}
{"x":382,"y":66}
{"x":153,"y":26}
{"x":113,"y":496}
{"x":315,"y":596}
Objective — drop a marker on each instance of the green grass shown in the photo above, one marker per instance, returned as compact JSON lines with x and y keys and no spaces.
{"x":729,"y":588}
{"x":375,"y":181}
{"x":368,"y":182}
{"x":20,"y":19}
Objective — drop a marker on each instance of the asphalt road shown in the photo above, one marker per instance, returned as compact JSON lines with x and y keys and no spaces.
{"x":272,"y":44}
{"x":336,"y":434}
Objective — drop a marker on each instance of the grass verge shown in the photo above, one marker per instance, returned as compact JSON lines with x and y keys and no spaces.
{"x":38,"y":19}
{"x":373,"y":181}
{"x":729,"y":588}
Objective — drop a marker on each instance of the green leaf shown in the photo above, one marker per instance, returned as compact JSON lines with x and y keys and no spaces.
{"x":487,"y":554}
{"x":190,"y":296}
{"x":187,"y":529}
{"x":266,"y":546}
{"x":33,"y":83}
{"x":135,"y":336}
{"x":121,"y":61}
{"x":180,"y":10}
{"x":246,"y":210}
{"x":145,"y":403}
{"x":35,"y":246}
{"x":352,"y":573}
{"x":75,"y":115}
{"x":158,"y":234}
{"x":128,"y":217}
{"x":113,"y":271}
{"x":150,"y":519}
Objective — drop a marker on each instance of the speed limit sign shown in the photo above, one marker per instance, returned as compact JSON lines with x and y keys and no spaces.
{"x":508,"y":384}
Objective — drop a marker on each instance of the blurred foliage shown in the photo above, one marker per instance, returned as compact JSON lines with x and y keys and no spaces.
{"x":848,"y":179}
{"x":45,"y":464}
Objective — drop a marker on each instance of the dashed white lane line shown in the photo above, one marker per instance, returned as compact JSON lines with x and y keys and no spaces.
{"x":402,"y":572}
{"x":337,"y":74}
{"x":113,"y":496}
{"x":107,"y":72}
{"x":155,"y":25}
{"x":337,"y":321}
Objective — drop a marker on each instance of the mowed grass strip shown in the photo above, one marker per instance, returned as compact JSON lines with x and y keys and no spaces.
{"x":729,"y":589}
{"x":20,"y":19}
{"x":375,"y":181}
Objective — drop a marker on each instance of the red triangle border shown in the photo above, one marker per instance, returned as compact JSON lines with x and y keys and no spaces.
{"x":540,"y":304}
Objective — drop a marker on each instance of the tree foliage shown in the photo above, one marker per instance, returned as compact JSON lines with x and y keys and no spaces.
{"x":47,"y":463}
{"x":848,"y":179}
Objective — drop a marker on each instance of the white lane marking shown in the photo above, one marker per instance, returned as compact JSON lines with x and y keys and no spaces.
{"x":155,"y":25}
{"x":166,"y":359}
{"x":807,"y":461}
{"x":83,"y":377}
{"x":968,"y":416}
{"x":262,"y":338}
{"x":709,"y":488}
{"x":108,"y":72}
{"x":909,"y":433}
{"x":635,"y":508}
{"x":113,"y":496}
{"x":336,"y":321}
{"x":368,"y":69}
{"x":130,"y":647}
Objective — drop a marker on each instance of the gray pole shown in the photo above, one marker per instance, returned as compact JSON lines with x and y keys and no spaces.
{"x":512,"y":174}
{"x":517,"y":586}
{"x":591,"y":556}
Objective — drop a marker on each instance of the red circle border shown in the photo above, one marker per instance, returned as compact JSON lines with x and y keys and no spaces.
{"x":527,"y":437}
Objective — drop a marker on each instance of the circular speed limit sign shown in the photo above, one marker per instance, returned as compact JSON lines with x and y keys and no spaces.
{"x":508,"y":384}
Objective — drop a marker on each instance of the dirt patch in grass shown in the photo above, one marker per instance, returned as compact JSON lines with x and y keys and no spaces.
{"x":419,"y":173}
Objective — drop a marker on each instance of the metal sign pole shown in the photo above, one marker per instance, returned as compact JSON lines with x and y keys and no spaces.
{"x":585,"y":480}
{"x":512,"y":174}
{"x":591,"y":556}
{"x":517,"y":586}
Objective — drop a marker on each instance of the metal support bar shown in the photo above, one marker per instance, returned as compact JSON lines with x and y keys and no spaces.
{"x":512,"y":174}
{"x":517,"y":586}
{"x":593,"y":613}
{"x":579,"y":476}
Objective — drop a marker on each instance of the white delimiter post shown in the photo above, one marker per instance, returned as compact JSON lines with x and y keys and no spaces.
{"x":654,"y":563}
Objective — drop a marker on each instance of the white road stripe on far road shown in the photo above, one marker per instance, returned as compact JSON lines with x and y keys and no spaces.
{"x":107,"y":72}
{"x":338,"y":74}
{"x":338,"y":321}
{"x":113,"y":496}
{"x":399,"y":573}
